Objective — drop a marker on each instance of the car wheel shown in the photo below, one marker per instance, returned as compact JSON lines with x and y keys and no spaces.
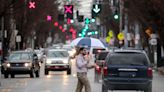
{"x":2,"y":70}
{"x":37,"y":73}
{"x":12,"y":75}
{"x":46,"y":72}
{"x":6,"y":75}
{"x":149,"y":88}
{"x":104,"y":89}
{"x":69,"y":71}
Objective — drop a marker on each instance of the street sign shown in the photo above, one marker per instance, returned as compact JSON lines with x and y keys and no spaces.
{"x":107,"y":39}
{"x":129,"y":36}
{"x":18,"y":38}
{"x":153,"y":36}
{"x":110,"y":33}
{"x":120,"y":36}
{"x":153,"y":41}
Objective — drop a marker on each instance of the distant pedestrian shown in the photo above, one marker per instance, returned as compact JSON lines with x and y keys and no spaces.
{"x":82,"y":66}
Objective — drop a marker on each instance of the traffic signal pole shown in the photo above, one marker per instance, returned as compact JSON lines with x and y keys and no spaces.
{"x":121,"y":13}
{"x":121,"y":5}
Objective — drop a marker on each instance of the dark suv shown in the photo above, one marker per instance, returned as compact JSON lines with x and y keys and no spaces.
{"x":127,"y":70}
{"x":21,"y":62}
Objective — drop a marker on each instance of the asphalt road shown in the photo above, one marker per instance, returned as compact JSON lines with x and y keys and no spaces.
{"x":60,"y":82}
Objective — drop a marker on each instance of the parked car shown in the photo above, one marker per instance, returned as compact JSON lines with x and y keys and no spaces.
{"x":57,"y":60}
{"x":99,"y":60}
{"x":21,"y":62}
{"x":127,"y":70}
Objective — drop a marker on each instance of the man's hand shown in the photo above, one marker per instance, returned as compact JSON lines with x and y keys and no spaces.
{"x":91,"y":66}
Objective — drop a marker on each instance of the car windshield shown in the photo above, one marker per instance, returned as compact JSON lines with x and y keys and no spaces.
{"x":52,"y":54}
{"x":20,"y":56}
{"x":96,"y":50}
{"x":127,"y":59}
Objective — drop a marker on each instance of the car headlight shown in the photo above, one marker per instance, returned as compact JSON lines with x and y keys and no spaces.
{"x":48,"y":61}
{"x":27,"y":64}
{"x":65,"y":61}
{"x":8,"y":65}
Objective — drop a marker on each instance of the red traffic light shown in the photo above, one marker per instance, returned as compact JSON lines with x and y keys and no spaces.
{"x":32,"y":5}
{"x":68,"y":9}
{"x":56,"y":24}
{"x":60,"y":27}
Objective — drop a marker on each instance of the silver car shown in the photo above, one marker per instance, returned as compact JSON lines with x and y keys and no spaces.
{"x":57,"y":60}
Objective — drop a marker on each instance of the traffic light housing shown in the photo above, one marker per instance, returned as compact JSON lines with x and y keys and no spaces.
{"x":116,"y":15}
{"x":68,"y":10}
{"x":96,"y":10}
{"x":80,"y":18}
{"x":61,"y":17}
{"x":87,"y":21}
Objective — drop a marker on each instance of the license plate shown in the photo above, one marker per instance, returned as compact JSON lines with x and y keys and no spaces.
{"x":127,"y":74}
{"x":57,"y":67}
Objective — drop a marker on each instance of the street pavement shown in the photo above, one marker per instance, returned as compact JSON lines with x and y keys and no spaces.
{"x":60,"y":82}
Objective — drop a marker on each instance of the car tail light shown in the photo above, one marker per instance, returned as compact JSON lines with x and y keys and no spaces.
{"x":149,"y":72}
{"x":105,"y":70}
{"x":98,"y":69}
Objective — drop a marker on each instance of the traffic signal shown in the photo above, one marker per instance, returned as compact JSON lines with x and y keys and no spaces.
{"x":49,"y":18}
{"x":56,"y":24}
{"x":32,"y":5}
{"x":87,"y":21}
{"x":116,"y":15}
{"x":80,"y":18}
{"x":61,"y":17}
{"x":68,"y":10}
{"x":96,"y":9}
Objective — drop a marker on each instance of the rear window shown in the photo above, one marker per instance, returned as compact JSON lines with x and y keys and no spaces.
{"x":97,"y":50}
{"x":52,"y":54}
{"x":127,"y":59}
{"x":102,"y":56}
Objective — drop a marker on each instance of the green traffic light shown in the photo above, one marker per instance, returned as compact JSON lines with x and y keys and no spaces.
{"x":96,"y":32}
{"x":80,"y":34}
{"x":93,"y":20}
{"x":87,"y":21}
{"x":86,"y":27}
{"x":116,"y":16}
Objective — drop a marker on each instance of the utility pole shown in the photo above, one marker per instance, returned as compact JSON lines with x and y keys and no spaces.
{"x":2,"y":30}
